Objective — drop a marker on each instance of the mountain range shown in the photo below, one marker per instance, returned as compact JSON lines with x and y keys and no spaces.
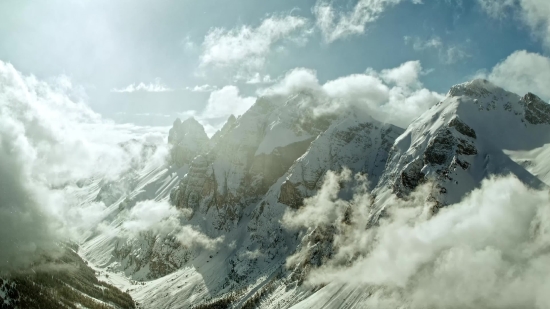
{"x":280,"y":192}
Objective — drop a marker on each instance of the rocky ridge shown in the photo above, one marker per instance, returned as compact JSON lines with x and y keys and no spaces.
{"x":276,"y":154}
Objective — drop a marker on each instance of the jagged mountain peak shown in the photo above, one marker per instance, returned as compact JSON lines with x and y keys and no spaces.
{"x":182,"y":128}
{"x":188,"y":139}
{"x":191,"y":122}
{"x":475,"y":88}
{"x":231,"y":119}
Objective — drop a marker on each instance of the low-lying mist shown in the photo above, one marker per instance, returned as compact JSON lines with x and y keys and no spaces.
{"x":488,"y":251}
{"x":53,"y":150}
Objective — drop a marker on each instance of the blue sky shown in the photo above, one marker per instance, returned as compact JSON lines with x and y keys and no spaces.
{"x":184,"y":53}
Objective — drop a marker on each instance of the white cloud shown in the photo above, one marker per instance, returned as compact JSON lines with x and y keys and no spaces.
{"x":149,"y":215}
{"x":221,"y":104}
{"x":202,"y":88}
{"x":249,"y":47}
{"x":257,"y":79}
{"x":295,"y":80}
{"x":534,"y":13}
{"x":227,"y":101}
{"x":488,"y":251}
{"x":164,"y":219}
{"x":337,"y":25}
{"x":50,"y":144}
{"x":523,"y":72}
{"x":157,"y":86}
{"x":418,"y":44}
{"x":454,"y":54}
{"x":189,"y":45}
{"x":448,"y":54}
{"x":405,"y":75}
{"x":394,"y":95}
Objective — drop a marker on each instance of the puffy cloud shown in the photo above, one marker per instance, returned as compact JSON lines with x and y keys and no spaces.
{"x":337,"y":25}
{"x":404,"y":75}
{"x":50,"y":149}
{"x":393,"y":95}
{"x":534,"y":13}
{"x":164,"y":219}
{"x":157,"y":86}
{"x":221,"y":104}
{"x":248,"y":47}
{"x":296,"y":80}
{"x":257,"y":78}
{"x":225,"y":102}
{"x":148,"y":215}
{"x":202,"y":88}
{"x":488,"y":251}
{"x":322,"y":209}
{"x":523,"y":72}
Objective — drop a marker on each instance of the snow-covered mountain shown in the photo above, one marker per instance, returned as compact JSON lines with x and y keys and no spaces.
{"x":466,"y":138}
{"x":235,"y":188}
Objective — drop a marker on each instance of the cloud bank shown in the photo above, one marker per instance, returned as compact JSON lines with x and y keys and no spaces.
{"x":50,"y":148}
{"x":247,"y":46}
{"x":488,"y":251}
{"x":164,"y":219}
{"x":393,"y":95}
{"x":523,"y":72}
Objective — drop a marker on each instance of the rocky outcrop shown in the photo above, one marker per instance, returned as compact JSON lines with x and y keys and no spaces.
{"x":290,"y":196}
{"x":277,"y":154}
{"x":159,"y":255}
{"x":536,"y":110}
{"x":477,"y":88}
{"x":355,"y":141}
{"x":188,"y":139}
{"x":462,"y":127}
{"x":247,"y":156}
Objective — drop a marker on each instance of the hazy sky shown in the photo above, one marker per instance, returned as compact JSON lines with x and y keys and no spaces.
{"x":148,"y":62}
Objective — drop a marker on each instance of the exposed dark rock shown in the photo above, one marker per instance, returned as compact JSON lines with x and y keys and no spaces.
{"x":290,"y":196}
{"x":412,"y":175}
{"x":267,"y":168}
{"x":475,"y":88}
{"x":463,"y":164}
{"x":536,"y":110}
{"x":440,"y":148}
{"x":462,"y":127}
{"x":188,"y":139}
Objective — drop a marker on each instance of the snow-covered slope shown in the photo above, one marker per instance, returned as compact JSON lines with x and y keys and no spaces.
{"x":464,"y":139}
{"x":236,"y":187}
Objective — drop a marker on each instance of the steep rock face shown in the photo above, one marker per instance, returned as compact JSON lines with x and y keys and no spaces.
{"x":275,"y":155}
{"x":229,"y":124}
{"x":355,"y":141}
{"x":459,"y":142}
{"x":249,"y":155}
{"x":536,"y":110}
{"x":188,"y":139}
{"x":150,"y":256}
